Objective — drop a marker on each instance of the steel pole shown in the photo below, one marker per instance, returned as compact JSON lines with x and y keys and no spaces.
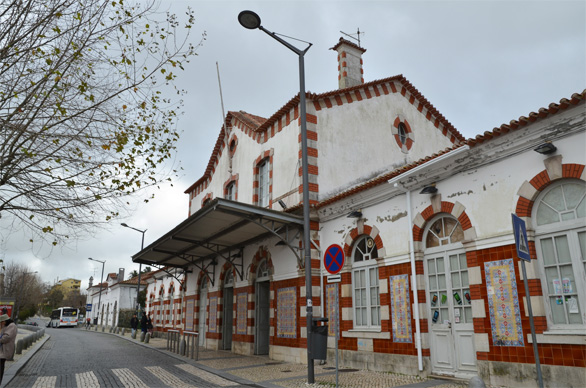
{"x":139,"y":272}
{"x":100,"y":296}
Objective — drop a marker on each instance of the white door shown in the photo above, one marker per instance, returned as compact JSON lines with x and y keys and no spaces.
{"x":203,"y":306}
{"x":450,"y":320}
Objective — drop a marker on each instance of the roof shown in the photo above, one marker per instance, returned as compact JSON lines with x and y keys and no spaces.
{"x":344,"y":41}
{"x":134,"y":280}
{"x":220,"y":228}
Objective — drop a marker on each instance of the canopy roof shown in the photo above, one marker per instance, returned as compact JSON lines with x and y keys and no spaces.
{"x":221,"y":228}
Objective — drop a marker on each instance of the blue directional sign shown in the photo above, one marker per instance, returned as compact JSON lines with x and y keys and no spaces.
{"x":88,"y":307}
{"x":334,"y":259}
{"x":520,"y":232}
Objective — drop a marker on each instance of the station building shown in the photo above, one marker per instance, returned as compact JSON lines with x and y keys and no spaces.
{"x":431,"y":282}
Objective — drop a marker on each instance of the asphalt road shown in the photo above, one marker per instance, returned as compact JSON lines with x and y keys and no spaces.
{"x":74,"y":357}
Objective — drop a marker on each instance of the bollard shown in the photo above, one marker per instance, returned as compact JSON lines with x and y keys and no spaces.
{"x":147,"y":338}
{"x":133,"y":335}
{"x":476,"y":382}
{"x":182,"y":346}
{"x":18,"y":347}
{"x":103,"y":329}
{"x":142,"y":335}
{"x":123,"y":331}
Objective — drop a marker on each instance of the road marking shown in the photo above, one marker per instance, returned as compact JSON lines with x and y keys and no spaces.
{"x":207,"y":376}
{"x":129,"y":379}
{"x":87,"y":380}
{"x":45,"y":382}
{"x":168,"y":378}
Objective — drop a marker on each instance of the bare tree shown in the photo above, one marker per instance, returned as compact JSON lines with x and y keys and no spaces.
{"x":24,"y":285}
{"x":84,"y":120}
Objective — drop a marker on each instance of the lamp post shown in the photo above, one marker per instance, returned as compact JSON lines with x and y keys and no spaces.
{"x":19,"y":300}
{"x":251,"y":21}
{"x":139,"y":264}
{"x":101,"y":280}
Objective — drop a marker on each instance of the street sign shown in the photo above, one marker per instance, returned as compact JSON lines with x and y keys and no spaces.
{"x":520,"y":232}
{"x":334,"y":279}
{"x":88,"y":307}
{"x":334,"y":259}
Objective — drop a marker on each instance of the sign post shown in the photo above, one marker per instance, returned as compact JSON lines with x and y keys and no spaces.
{"x":334,"y":262}
{"x":522,"y":244}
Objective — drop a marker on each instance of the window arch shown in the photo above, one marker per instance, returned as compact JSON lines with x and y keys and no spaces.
{"x":365,"y":283}
{"x":559,"y":219}
{"x":263,"y":272}
{"x":444,"y":230}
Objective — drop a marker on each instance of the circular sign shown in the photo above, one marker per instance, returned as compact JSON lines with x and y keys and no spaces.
{"x":334,"y":259}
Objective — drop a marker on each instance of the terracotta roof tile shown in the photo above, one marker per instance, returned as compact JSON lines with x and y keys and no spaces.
{"x":342,"y":40}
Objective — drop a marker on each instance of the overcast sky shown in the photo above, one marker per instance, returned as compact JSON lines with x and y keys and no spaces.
{"x":480,"y":63}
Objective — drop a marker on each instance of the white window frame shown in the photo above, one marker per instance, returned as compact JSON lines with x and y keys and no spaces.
{"x":263,"y":183}
{"x":571,"y":229}
{"x":366,"y":265}
{"x":231,"y":191}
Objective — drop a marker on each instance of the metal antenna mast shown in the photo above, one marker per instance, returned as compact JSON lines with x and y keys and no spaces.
{"x":358,"y":32}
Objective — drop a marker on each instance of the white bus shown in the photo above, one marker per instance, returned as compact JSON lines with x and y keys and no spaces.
{"x":64,"y":317}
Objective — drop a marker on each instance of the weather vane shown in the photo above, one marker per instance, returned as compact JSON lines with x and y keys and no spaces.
{"x":357,"y":38}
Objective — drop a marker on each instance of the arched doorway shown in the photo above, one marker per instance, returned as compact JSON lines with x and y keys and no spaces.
{"x":262,"y":316}
{"x":228,"y":310}
{"x":114,"y":314}
{"x":203,"y":305}
{"x":448,"y":294}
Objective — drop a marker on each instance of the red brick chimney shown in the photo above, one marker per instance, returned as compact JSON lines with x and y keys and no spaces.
{"x":350,"y":71}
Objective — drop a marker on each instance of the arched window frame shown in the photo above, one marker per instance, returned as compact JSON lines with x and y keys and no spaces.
{"x":559,"y":238}
{"x":365,"y":284}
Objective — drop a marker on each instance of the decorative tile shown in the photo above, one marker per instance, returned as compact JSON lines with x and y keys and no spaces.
{"x":333,"y":309}
{"x":287,"y":312}
{"x":213,"y":325}
{"x":503,"y":303}
{"x":241,"y":312}
{"x":401,"y":312}
{"x":189,"y":315}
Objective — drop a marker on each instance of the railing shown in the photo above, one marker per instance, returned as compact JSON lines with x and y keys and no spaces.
{"x":173,"y":340}
{"x":191,"y":344}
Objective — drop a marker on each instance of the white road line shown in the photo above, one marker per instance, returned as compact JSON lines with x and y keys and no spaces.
{"x":87,"y":380}
{"x":207,"y":376}
{"x":45,"y":382}
{"x":168,"y":378}
{"x":129,"y":379}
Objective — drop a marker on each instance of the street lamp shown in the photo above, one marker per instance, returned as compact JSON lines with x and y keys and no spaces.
{"x":251,"y":20}
{"x":101,"y":280}
{"x":19,"y":300}
{"x":139,"y":264}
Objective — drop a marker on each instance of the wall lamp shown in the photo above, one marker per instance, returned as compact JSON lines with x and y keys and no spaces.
{"x":431,"y":189}
{"x":355,"y":214}
{"x":283,"y":205}
{"x":546,"y":148}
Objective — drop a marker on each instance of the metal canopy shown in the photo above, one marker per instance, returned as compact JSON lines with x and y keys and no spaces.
{"x":221,"y":228}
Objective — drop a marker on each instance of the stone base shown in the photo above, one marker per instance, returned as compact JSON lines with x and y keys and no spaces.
{"x":512,"y":374}
{"x":380,"y":362}
{"x":245,"y":348}
{"x":288,"y":354}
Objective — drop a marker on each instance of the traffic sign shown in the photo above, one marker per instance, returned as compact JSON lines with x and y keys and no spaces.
{"x":334,"y":259}
{"x":88,"y":307}
{"x":520,"y":232}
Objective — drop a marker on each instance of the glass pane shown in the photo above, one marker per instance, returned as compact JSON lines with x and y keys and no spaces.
{"x":568,"y":216}
{"x":375,"y":316}
{"x":432,"y":283}
{"x":547,"y":251}
{"x":456,"y":280}
{"x":441,"y":280}
{"x":468,"y":314}
{"x":444,"y":315}
{"x":431,"y":240}
{"x":557,"y":309}
{"x":582,"y":240}
{"x":581,"y":209}
{"x":364,"y":319}
{"x":450,"y":225}
{"x":454,"y":263}
{"x":363,"y":298}
{"x":363,"y":278}
{"x":568,"y":282}
{"x":430,"y":267}
{"x":563,"y":249}
{"x":555,"y":199}
{"x":546,"y":215}
{"x":440,"y":265}
{"x":465,"y":279}
{"x":573,"y":308}
{"x":554,"y":283}
{"x":463,"y":263}
{"x":573,"y":193}
{"x":374,"y":277}
{"x":458,"y":234}
{"x":466,"y":296}
{"x":373,"y":296}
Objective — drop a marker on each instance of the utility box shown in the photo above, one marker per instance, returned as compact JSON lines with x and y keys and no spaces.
{"x":319,"y":338}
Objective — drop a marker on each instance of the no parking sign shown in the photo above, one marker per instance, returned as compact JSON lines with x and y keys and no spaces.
{"x":334,"y":259}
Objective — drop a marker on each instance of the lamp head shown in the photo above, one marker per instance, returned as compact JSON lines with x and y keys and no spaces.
{"x":546,"y":148}
{"x":124,"y":224}
{"x":249,"y":19}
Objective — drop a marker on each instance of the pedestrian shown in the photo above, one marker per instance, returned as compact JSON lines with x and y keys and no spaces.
{"x":8,"y":333}
{"x":88,"y":323}
{"x":149,"y":324}
{"x":133,"y":325}
{"x":143,"y":323}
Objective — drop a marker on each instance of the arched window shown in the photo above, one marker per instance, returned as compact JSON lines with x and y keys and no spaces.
{"x":559,"y":217}
{"x":263,"y":183}
{"x":229,"y":279}
{"x":263,"y":272}
{"x":402,"y":133}
{"x":444,"y":231}
{"x":365,"y":286}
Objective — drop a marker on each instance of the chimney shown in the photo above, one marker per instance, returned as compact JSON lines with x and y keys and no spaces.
{"x":120,"y":275}
{"x":349,"y":64}
{"x":91,"y":281}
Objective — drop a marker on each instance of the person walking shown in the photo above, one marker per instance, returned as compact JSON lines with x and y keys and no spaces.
{"x":143,"y":323}
{"x":8,"y":333}
{"x":133,"y":325}
{"x":149,"y":324}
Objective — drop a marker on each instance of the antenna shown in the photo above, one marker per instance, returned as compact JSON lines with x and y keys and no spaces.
{"x":226,"y":134}
{"x":358,"y":32}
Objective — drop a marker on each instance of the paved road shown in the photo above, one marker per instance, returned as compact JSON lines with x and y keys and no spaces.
{"x":78,"y":358}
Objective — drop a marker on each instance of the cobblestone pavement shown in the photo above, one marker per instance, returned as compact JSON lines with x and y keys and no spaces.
{"x":224,"y":369}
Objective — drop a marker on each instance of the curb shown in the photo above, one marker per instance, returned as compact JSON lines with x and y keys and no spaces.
{"x":18,"y":365}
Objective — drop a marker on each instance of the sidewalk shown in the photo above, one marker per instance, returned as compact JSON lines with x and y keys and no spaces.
{"x":19,"y":361}
{"x":261,"y":371}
